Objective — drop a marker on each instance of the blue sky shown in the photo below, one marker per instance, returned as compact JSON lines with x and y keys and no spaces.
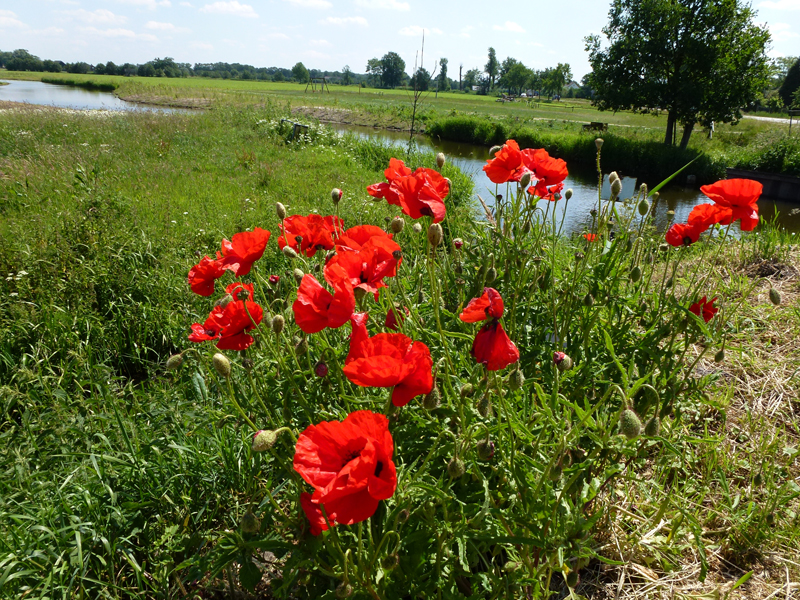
{"x":328,"y":34}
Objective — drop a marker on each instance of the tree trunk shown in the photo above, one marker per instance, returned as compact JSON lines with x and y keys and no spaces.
{"x":671,"y":118}
{"x":687,"y":133}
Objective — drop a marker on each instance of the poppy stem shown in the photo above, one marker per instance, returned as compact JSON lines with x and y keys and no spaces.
{"x":239,"y":408}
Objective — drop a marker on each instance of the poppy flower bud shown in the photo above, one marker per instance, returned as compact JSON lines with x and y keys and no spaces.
{"x":525,"y":180}
{"x":485,"y":449}
{"x":435,"y":235}
{"x":221,"y":365}
{"x":526,"y":226}
{"x":636,"y":274}
{"x":250,"y":523}
{"x":467,"y":390}
{"x":432,"y":400}
{"x":289,"y":252}
{"x":417,"y":228}
{"x":390,"y":561}
{"x":456,"y":468}
{"x":494,"y":149}
{"x":616,"y":187}
{"x":403,"y":515}
{"x":562,"y":361}
{"x":568,"y":194}
{"x":758,"y":480}
{"x":224,"y":301}
{"x":298,"y":275}
{"x":264,"y":439}
{"x":274,"y":279}
{"x":557,"y":196}
{"x":174,"y":362}
{"x":491,"y":275}
{"x":669,"y":283}
{"x":774,"y":296}
{"x":344,"y":590}
{"x":440,"y":160}
{"x":485,"y":406}
{"x":336,"y":195}
{"x":300,"y":346}
{"x":397,"y":225}
{"x":516,"y":380}
{"x":720,"y":356}
{"x":321,"y":369}
{"x":593,"y":212}
{"x":612,"y":177}
{"x":670,"y":214}
{"x":281,"y":210}
{"x":278,"y":323}
{"x":573,"y":579}
{"x":663,"y":247}
{"x":653,"y":427}
{"x":629,"y":424}
{"x":458,"y":243}
{"x":556,"y":471}
{"x":644,"y":207}
{"x":588,"y":300}
{"x":599,"y":143}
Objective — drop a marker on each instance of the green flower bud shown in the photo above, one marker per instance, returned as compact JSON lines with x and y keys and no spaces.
{"x":397,"y":224}
{"x":774,"y":296}
{"x":599,"y":143}
{"x":432,"y":400}
{"x":264,"y":439}
{"x":573,"y":579}
{"x":636,"y":274}
{"x":221,"y":365}
{"x":440,"y":160}
{"x":644,"y":207}
{"x":629,"y":424}
{"x":588,"y":300}
{"x":525,"y":180}
{"x":612,"y":177}
{"x":301,"y":346}
{"x":336,"y":195}
{"x":278,"y":322}
{"x":344,"y":590}
{"x":281,"y":210}
{"x":758,"y":480}
{"x":491,"y":275}
{"x":456,"y":468}
{"x":390,"y":561}
{"x":250,"y":523}
{"x":467,"y":390}
{"x":289,"y":252}
{"x":653,"y":427}
{"x":174,"y":362}
{"x":298,"y":275}
{"x":435,"y":235}
{"x":568,"y":194}
{"x":516,"y":380}
{"x":224,"y":301}
{"x":485,"y":449}
{"x":720,"y":356}
{"x":485,"y":406}
{"x":494,"y":149}
{"x":417,"y":228}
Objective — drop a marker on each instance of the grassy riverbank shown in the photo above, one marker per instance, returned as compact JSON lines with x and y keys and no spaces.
{"x":120,"y":477}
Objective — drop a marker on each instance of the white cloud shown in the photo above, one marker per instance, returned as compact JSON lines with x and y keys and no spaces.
{"x":231,"y":7}
{"x":781,"y":4}
{"x":781,"y":32}
{"x":414,"y":30}
{"x":150,"y":4}
{"x":509,"y":26}
{"x":101,"y":16}
{"x":344,"y":21}
{"x":9,"y":19}
{"x":187,"y":4}
{"x":201,"y":46}
{"x":310,"y":3}
{"x":120,"y":33}
{"x":276,"y":36}
{"x":465,"y":31}
{"x":46,"y":31}
{"x":157,"y":25}
{"x":385,"y":4}
{"x":320,"y":43}
{"x":315,"y":54}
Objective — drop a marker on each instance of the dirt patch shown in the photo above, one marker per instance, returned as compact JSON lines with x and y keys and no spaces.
{"x":167,"y":101}
{"x":771,"y":268}
{"x":345,"y":116}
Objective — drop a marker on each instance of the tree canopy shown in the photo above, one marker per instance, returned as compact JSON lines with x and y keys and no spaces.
{"x":699,"y":60}
{"x":392,"y":69}
{"x":492,"y":67}
{"x":300,"y":74}
{"x":790,"y":84}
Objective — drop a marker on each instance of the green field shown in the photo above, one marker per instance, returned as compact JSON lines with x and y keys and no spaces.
{"x":124,"y":480}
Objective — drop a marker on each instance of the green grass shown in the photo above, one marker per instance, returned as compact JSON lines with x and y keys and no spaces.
{"x":119,"y":478}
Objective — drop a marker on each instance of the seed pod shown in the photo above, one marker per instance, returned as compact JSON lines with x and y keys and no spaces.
{"x":417,"y":228}
{"x":289,"y":252}
{"x":556,"y":471}
{"x":485,"y":449}
{"x":397,"y":224}
{"x":336,"y":195}
{"x":485,"y":406}
{"x":774,"y":296}
{"x":644,"y":207}
{"x":432,"y":400}
{"x":390,"y":561}
{"x":612,"y":177}
{"x":670,"y":214}
{"x":599,"y":143}
{"x":616,"y":187}
{"x":663,"y":247}
{"x":525,"y":180}
{"x":516,"y":380}
{"x":636,"y":274}
{"x":563,"y":362}
{"x":588,"y":300}
{"x":568,"y":194}
{"x":467,"y":390}
{"x":440,"y":160}
{"x":435,"y":235}
{"x":300,"y":346}
{"x":298,"y":275}
{"x":263,"y":440}
{"x":281,"y":210}
{"x":221,"y":365}
{"x":573,"y":579}
{"x":224,"y":301}
{"x":653,"y":427}
{"x":250,"y":523}
{"x":344,"y":590}
{"x":494,"y":149}
{"x":278,"y":323}
{"x":174,"y":362}
{"x":720,"y":356}
{"x":491,"y":275}
{"x":629,"y":424}
{"x":456,"y":468}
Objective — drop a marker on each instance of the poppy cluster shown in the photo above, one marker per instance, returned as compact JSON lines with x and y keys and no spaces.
{"x":229,"y":321}
{"x":420,"y":193}
{"x":511,"y":164}
{"x":492,"y":346}
{"x":704,"y":308}
{"x":734,"y":200}
{"x":237,"y":256}
{"x":349,"y":465}
{"x":309,"y":234}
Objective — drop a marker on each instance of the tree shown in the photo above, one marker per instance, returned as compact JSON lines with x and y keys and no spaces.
{"x":491,"y":68}
{"x":460,"y":68}
{"x":421,"y":80}
{"x":442,"y":78}
{"x":471,"y":78}
{"x":278,"y":76}
{"x":517,"y":77}
{"x":698,"y":60}
{"x":300,"y":73}
{"x":347,"y":75}
{"x":392,"y":69}
{"x":374,"y":71}
{"x":790,"y":84}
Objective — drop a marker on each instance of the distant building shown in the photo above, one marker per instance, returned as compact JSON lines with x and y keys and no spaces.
{"x":573,"y":85}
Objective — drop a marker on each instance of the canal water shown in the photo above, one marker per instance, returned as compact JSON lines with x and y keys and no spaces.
{"x":468,"y":157}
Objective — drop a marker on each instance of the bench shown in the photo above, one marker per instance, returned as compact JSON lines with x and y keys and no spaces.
{"x":595,"y":126}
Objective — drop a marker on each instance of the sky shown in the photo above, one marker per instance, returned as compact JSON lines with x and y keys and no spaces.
{"x":329,"y":34}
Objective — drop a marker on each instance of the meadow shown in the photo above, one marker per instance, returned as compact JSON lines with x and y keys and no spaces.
{"x":123,"y":478}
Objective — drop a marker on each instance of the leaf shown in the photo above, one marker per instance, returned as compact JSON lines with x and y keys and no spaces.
{"x":741,"y":581}
{"x":249,"y":574}
{"x":671,"y":177}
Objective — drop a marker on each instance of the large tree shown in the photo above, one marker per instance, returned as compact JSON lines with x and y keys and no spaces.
{"x":791,"y":84}
{"x":442,"y":78}
{"x":492,"y":67}
{"x":698,"y":60}
{"x":393,"y":67}
{"x":300,"y":74}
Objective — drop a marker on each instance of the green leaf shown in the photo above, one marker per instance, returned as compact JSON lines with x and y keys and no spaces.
{"x":249,"y":574}
{"x":671,"y":177}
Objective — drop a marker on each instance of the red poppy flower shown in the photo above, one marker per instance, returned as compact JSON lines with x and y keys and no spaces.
{"x":203,"y":275}
{"x":236,"y":319}
{"x":356,"y":237}
{"x":704,"y":309}
{"x":493,"y":348}
{"x":208,"y":331}
{"x":395,"y":318}
{"x":739,"y":195}
{"x":488,"y":306}
{"x":706,"y":215}
{"x":316,"y":232}
{"x":397,"y":169}
{"x":506,"y":165}
{"x":388,"y":360}
{"x":240,"y":291}
{"x":316,"y":308}
{"x":418,"y":194}
{"x":274,"y":279}
{"x":682,"y":234}
{"x":349,"y":465}
{"x":243,"y":250}
{"x":590,"y":237}
{"x":367,"y":267}
{"x":549,"y":172}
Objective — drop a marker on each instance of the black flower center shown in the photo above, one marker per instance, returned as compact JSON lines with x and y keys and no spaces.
{"x":378,"y":469}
